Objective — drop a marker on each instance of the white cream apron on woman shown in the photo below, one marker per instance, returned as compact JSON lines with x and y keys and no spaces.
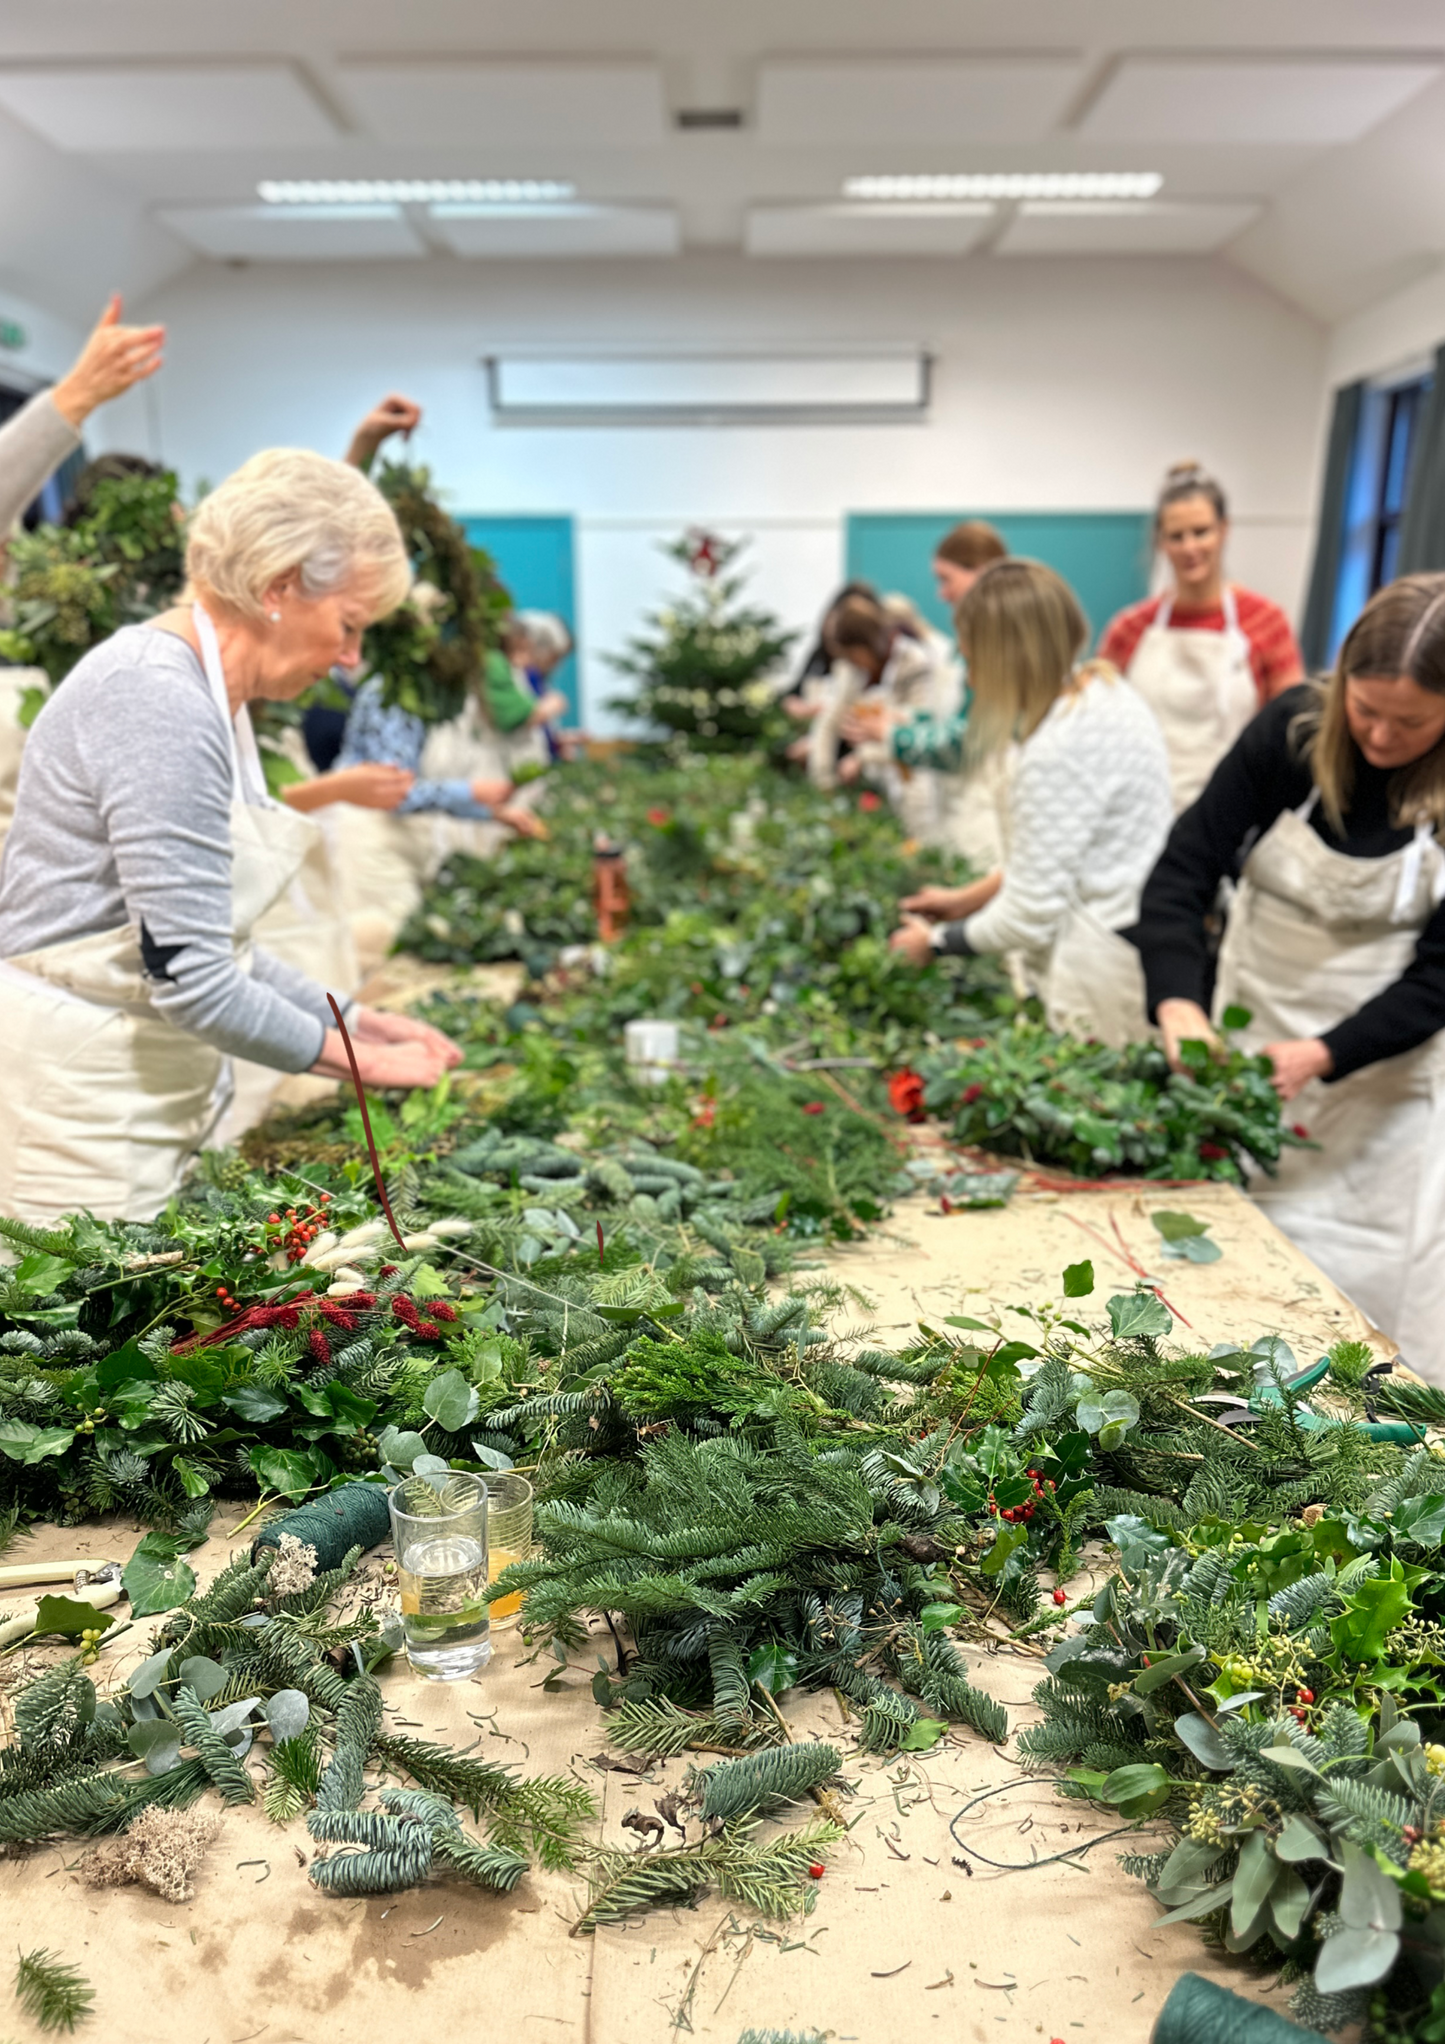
{"x":1092,"y":982}
{"x":1200,"y":686}
{"x":1312,"y":936}
{"x":386,"y":858}
{"x":103,"y":1101}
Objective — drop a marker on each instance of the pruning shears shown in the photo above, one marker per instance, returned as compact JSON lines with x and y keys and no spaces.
{"x":1270,"y":1397}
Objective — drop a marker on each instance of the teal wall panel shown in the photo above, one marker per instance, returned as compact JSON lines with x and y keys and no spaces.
{"x":1103,"y":555}
{"x":533,"y":554}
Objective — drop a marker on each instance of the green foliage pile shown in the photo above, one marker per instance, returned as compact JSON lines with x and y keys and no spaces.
{"x":705,"y":673}
{"x":430,"y":651}
{"x":1024,"y":1091}
{"x":72,"y":586}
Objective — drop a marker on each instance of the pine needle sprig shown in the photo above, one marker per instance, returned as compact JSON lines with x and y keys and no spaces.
{"x":54,"y":1995}
{"x":785,"y":1774}
{"x":772,"y":1878}
{"x":294,"y":1777}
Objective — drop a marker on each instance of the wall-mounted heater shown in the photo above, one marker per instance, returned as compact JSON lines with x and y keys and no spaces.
{"x":889,"y":386}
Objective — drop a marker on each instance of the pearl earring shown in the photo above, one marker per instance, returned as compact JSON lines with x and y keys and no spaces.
{"x":275,"y":617}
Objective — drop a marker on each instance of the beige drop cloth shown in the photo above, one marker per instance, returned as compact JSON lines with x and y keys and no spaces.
{"x":902,"y":1946}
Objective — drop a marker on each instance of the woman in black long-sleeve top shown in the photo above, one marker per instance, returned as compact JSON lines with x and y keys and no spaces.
{"x":1328,"y":811}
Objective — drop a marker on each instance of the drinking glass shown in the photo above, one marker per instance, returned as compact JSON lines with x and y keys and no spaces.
{"x":440,"y":1538}
{"x":509,"y":1532}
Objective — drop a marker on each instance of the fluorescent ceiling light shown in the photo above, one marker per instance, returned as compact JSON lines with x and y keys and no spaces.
{"x":414,"y":191}
{"x":1009,"y":184}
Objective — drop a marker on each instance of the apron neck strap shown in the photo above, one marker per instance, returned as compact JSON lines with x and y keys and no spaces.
{"x":248,"y":776}
{"x":1226,"y":603}
{"x":1307,"y":808}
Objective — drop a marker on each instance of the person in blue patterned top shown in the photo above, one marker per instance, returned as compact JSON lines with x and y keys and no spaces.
{"x":376,"y":733}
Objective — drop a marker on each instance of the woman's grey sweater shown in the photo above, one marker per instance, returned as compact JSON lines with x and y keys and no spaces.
{"x":123,"y":819}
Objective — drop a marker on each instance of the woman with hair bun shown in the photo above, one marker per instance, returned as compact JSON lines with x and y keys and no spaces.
{"x":145,"y":849}
{"x":1330,"y":810}
{"x":1206,"y":654}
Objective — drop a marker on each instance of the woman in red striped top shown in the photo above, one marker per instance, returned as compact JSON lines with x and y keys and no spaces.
{"x":1205,"y":655}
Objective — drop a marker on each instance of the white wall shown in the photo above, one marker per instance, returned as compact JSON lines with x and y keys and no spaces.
{"x":1058,"y":385}
{"x":1402,"y":330}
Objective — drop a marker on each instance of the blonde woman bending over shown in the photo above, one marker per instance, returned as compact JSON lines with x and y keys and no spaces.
{"x":145,"y":849}
{"x":1089,"y":808}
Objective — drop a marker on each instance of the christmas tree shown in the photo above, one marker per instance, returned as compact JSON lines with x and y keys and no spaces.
{"x":704,"y":672}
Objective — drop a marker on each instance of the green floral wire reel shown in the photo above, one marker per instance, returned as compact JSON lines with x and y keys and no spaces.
{"x":1275,"y":1392}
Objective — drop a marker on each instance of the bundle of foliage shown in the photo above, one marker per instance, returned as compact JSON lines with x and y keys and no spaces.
{"x":705,"y":672}
{"x":72,"y":586}
{"x":1025,"y":1091}
{"x":1273,"y":1689}
{"x":430,"y":650}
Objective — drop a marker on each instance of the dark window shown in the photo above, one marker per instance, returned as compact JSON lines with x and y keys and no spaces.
{"x":1375,"y":501}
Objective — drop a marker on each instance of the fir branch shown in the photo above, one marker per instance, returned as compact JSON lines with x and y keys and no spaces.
{"x":358,"y":1718}
{"x":220,"y":1761}
{"x":784,"y":1774}
{"x":54,"y":1995}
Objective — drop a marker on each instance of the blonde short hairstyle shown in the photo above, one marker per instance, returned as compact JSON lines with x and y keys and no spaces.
{"x":290,"y":511}
{"x":1021,"y":629}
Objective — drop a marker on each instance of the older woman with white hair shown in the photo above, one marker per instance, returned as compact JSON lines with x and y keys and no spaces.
{"x":145,"y":847}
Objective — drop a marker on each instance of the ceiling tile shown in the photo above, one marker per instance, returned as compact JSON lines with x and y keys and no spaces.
{"x":1307,"y":100}
{"x":294,"y":233}
{"x":570,"y":230}
{"x":101,"y":107}
{"x":902,"y":102}
{"x":483,"y":104}
{"x":1124,"y":227}
{"x":871,"y":230}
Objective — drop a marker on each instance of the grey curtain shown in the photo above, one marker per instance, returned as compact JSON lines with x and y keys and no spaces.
{"x":1330,"y":534}
{"x":1422,"y":522}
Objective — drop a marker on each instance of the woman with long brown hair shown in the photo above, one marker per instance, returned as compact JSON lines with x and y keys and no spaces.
{"x":1329,"y":810}
{"x":1087,"y":810}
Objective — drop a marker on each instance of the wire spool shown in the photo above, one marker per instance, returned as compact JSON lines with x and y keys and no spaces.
{"x":354,"y":1516}
{"x":1198,"y":2012}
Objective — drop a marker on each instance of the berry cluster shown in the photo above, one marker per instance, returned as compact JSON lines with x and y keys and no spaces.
{"x":294,"y":1231}
{"x":407,"y":1312}
{"x":1298,"y":1710}
{"x":1020,"y":1514}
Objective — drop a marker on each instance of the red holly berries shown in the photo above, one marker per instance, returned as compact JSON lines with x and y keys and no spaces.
{"x":1059,"y":1597}
{"x":972,"y":1093}
{"x":816,"y":1871}
{"x":814,"y":1107}
{"x":869,"y":801}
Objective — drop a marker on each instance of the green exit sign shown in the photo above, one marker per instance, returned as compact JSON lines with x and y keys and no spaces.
{"x":12,"y":334}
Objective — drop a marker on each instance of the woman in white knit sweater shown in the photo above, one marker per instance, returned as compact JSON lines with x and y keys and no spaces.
{"x":1089,"y":808}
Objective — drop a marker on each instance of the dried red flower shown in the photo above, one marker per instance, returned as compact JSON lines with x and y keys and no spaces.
{"x":813,"y":1106}
{"x":869,"y":801}
{"x":972,"y":1093}
{"x":658,"y":818}
{"x":1212,"y":1151}
{"x":905,"y":1093}
{"x":319,"y":1346}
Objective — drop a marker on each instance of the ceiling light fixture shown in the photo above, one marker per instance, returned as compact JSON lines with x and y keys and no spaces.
{"x":1009,"y":184}
{"x":414,"y":191}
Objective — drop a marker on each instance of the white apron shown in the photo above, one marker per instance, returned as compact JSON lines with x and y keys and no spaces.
{"x":1092,"y":983}
{"x":1200,"y":687}
{"x":102,"y":1101}
{"x":386,"y":859}
{"x":1312,"y":936}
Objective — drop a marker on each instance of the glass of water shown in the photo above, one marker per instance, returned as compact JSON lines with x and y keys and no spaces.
{"x":440,"y":1536}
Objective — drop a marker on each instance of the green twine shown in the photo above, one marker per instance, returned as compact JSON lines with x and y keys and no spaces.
{"x":356,"y":1515}
{"x":1198,"y":2012}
